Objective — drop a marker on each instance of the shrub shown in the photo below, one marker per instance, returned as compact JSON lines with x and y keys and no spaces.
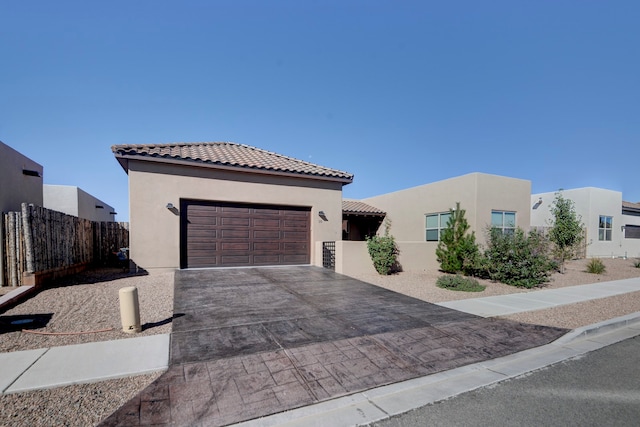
{"x":459,"y":283}
{"x":383,"y":252}
{"x":636,"y":263}
{"x":595,"y":266}
{"x":518,"y":259}
{"x":457,"y":251}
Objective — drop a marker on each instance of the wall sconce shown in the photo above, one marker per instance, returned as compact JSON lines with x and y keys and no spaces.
{"x":538,"y":203}
{"x":173,"y":209}
{"x":322,"y":215}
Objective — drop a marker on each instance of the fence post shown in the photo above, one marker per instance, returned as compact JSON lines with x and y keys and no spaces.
{"x":28,"y":237}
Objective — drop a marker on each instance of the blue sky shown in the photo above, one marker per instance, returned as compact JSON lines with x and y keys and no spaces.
{"x":398,"y":93}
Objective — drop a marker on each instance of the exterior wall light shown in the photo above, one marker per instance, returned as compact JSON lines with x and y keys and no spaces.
{"x":169,"y":205}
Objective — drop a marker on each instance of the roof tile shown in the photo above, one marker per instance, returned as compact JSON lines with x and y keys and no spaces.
{"x":228,"y":154}
{"x":356,"y":207}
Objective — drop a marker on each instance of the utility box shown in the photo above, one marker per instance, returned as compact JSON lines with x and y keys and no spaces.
{"x":130,"y":310}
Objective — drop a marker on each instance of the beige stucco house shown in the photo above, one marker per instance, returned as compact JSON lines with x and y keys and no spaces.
{"x":75,"y":201}
{"x":226,"y":204}
{"x":20,"y":178}
{"x":416,"y":216}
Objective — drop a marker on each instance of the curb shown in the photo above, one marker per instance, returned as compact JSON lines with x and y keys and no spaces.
{"x":387,"y":401}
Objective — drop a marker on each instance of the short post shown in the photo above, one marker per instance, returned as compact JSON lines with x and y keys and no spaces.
{"x":130,"y":310}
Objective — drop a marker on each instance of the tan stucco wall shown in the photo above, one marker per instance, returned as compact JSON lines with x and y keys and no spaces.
{"x":155,"y":230}
{"x":15,"y":187}
{"x":477,"y":193}
{"x":74,"y":201}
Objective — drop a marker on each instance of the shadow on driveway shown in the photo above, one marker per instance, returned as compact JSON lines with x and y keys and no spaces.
{"x":251,"y":342}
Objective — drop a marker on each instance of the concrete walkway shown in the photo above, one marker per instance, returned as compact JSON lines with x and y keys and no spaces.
{"x":502,"y":305}
{"x":59,"y":366}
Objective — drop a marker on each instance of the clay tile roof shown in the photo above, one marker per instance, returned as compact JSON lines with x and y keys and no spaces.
{"x":227,"y":154}
{"x":360,"y":208}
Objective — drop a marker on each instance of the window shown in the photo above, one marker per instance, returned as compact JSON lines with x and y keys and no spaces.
{"x":605,"y":227}
{"x":504,"y":221}
{"x":435,"y":224}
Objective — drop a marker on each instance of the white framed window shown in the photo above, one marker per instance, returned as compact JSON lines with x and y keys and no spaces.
{"x":605,"y":226}
{"x":505,"y":221}
{"x":435,"y":223}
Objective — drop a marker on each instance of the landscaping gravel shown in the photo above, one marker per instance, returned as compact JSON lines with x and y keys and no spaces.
{"x":90,"y":302}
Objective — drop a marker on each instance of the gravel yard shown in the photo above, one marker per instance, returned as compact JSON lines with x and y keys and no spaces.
{"x":90,"y":302}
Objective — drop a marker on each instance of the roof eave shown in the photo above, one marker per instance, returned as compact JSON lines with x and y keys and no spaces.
{"x":123,"y":159}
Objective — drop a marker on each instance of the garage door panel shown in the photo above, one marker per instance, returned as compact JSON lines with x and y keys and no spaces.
{"x":235,"y":260}
{"x":294,"y":259}
{"x":234,"y":234}
{"x":235,"y":246}
{"x":266,"y":259}
{"x":235,"y":221}
{"x":266,"y":246}
{"x":294,"y":235}
{"x":296,"y":224}
{"x":267,"y":223}
{"x":266,"y":234}
{"x":235,"y":209}
{"x":225,"y":234}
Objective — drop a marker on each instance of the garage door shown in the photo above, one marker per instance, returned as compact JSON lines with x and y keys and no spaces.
{"x":219,"y":234}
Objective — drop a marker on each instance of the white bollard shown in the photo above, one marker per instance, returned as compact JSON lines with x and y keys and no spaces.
{"x":130,"y":310}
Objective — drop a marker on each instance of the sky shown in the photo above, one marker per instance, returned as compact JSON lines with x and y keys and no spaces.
{"x":398,"y":93}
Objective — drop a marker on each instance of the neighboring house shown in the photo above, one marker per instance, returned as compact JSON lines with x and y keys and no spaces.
{"x":612,"y":225}
{"x":74,"y":201}
{"x":20,"y":180}
{"x":417,"y":216}
{"x":226,"y":204}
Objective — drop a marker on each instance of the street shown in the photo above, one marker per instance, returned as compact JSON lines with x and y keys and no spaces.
{"x":601,"y":388}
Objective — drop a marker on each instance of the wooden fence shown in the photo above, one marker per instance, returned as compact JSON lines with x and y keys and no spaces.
{"x":39,"y":240}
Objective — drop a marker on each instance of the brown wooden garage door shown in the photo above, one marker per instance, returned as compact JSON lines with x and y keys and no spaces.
{"x":218,"y":234}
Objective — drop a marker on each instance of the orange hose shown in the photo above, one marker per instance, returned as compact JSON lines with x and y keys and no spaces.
{"x":66,"y":333}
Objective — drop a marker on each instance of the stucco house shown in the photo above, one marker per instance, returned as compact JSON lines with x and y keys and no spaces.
{"x":21,"y":180}
{"x":417,"y":215}
{"x":612,"y":225}
{"x":225,"y":204}
{"x":77,"y":202}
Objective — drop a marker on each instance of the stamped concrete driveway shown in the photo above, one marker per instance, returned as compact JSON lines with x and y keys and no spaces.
{"x":249,"y":342}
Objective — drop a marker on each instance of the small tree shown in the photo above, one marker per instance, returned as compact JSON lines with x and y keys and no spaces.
{"x":457,"y":250}
{"x":566,"y":229}
{"x":383,"y":251}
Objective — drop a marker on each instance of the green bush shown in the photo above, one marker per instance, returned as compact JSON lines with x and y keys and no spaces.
{"x":457,"y":251}
{"x":518,"y":259}
{"x":383,"y":252}
{"x":636,"y":263}
{"x":595,"y":266}
{"x":459,"y":283}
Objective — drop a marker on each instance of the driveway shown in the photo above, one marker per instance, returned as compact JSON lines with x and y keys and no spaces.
{"x":249,"y":342}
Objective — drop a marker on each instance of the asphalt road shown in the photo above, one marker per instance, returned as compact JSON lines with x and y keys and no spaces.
{"x":601,"y":388}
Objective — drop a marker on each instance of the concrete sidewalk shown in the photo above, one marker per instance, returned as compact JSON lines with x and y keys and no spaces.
{"x":502,"y":305}
{"x":82,"y":363}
